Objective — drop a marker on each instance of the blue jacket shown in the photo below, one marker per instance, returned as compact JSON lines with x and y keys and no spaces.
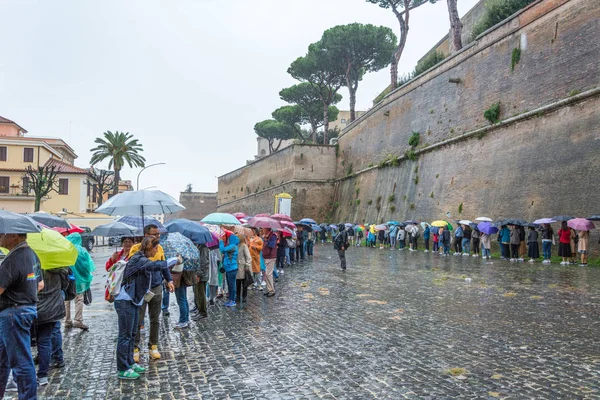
{"x":504,"y":234}
{"x":230,"y":253}
{"x":138,"y":276}
{"x":426,"y":233}
{"x":459,"y":232}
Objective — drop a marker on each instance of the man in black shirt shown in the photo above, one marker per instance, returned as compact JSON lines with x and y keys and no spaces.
{"x":340,"y":243}
{"x":20,"y":280}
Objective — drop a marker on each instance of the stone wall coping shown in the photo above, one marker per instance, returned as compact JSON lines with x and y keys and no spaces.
{"x":447,"y":64}
{"x":332,"y":181}
{"x":518,"y":118}
{"x":266,"y":158}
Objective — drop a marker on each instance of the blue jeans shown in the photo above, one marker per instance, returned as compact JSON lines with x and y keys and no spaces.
{"x":287,"y":255}
{"x":393,"y":242}
{"x":15,"y":350}
{"x":128,"y":316}
{"x":466,"y":246}
{"x":446,"y":249}
{"x":44,"y":346}
{"x":165,"y":299}
{"x":231,"y":283}
{"x":292,"y":253}
{"x":310,"y":245}
{"x":57,"y":352}
{"x":184,"y":307}
{"x":485,"y":252}
{"x":547,"y":250}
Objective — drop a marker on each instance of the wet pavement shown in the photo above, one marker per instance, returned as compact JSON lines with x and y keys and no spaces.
{"x":396,"y":324}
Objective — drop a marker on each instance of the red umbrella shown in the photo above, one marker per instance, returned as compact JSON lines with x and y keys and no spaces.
{"x":263,"y":215}
{"x":239,"y":215}
{"x":281,"y":217}
{"x":288,"y":224}
{"x":264,"y":222}
{"x":72,"y":229}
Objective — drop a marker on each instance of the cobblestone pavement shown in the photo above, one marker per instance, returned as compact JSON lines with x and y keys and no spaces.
{"x":395,"y":325}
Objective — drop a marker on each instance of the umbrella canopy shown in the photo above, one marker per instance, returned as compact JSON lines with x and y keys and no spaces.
{"x":594,"y":218}
{"x":51,"y":221}
{"x":580,"y":224}
{"x":221,"y":219}
{"x":424,"y":225}
{"x":175,"y":244}
{"x":348,"y":225}
{"x":264,"y":222}
{"x":544,"y":221}
{"x":410,"y":222}
{"x":288,"y":224}
{"x":308,"y":221}
{"x":140,"y":202}
{"x":465,"y":222}
{"x":514,"y":221}
{"x":197,"y":233}
{"x":72,"y":229}
{"x":263,"y":215}
{"x":533,"y":225}
{"x":381,"y":227}
{"x":242,"y":230}
{"x":483,"y":219}
{"x":439,"y":224}
{"x":281,"y":217}
{"x":239,"y":215}
{"x":487,"y":227}
{"x":562,"y":218}
{"x":17,"y":223}
{"x":136,"y":221}
{"x":286,"y":232}
{"x":116,"y":229}
{"x":333,"y":226}
{"x":316,"y":228}
{"x":434,"y":229}
{"x":53,"y":249}
{"x":392,"y":223}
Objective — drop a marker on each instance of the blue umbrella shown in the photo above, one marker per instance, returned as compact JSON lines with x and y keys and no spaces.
{"x":348,"y":225}
{"x":220,"y":219}
{"x":434,"y":229}
{"x":116,"y":229}
{"x":136,"y":221}
{"x":175,"y":244}
{"x":17,"y":223}
{"x":308,"y":221}
{"x":316,"y":228}
{"x":191,"y":230}
{"x":487,"y":227}
{"x":393,"y":223}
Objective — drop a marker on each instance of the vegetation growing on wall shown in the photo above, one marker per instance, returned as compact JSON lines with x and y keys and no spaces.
{"x":460,"y":208}
{"x":492,"y":114}
{"x":497,"y":11}
{"x":516,"y":57}
{"x":411,"y":155}
{"x":414,"y":139}
{"x":432,"y":59}
{"x":391,"y":198}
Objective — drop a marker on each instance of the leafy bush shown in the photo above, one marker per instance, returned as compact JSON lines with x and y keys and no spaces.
{"x":416,"y":179}
{"x":414,"y":139}
{"x":460,"y":208}
{"x":516,"y":57}
{"x":392,"y":209}
{"x":391,"y":198}
{"x":497,"y":11}
{"x":369,"y":202}
{"x":492,"y":114}
{"x":411,"y":155}
{"x":433,"y":58}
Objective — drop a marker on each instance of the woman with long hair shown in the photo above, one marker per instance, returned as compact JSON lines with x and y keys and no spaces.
{"x":564,"y":245}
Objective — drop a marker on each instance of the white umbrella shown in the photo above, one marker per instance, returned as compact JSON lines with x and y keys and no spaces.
{"x":465,"y":222}
{"x":140,"y":202}
{"x":484,"y":219}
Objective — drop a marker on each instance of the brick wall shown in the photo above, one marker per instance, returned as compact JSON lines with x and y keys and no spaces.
{"x":198,"y":205}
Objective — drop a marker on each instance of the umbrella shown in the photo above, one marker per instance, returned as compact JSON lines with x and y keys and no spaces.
{"x":17,"y":223}
{"x":116,"y":229}
{"x":53,"y":249}
{"x":308,"y":221}
{"x":140,"y":202}
{"x":533,"y":225}
{"x":333,"y":226}
{"x":316,"y":228}
{"x":580,"y":224}
{"x":281,"y":217}
{"x":216,"y":231}
{"x":544,"y":221}
{"x":487,"y":227}
{"x":465,"y":222}
{"x":242,"y":230}
{"x":392,"y":223}
{"x":72,"y":229}
{"x":473,"y":225}
{"x":483,"y":219}
{"x":439,"y":224}
{"x":410,"y":222}
{"x":239,"y":215}
{"x":263,"y":215}
{"x":197,"y":233}
{"x":434,"y":229}
{"x":221,"y":219}
{"x":51,"y":221}
{"x":139,"y":222}
{"x":175,"y":244}
{"x":514,"y":221}
{"x":286,"y":232}
{"x":264,"y":222}
{"x":424,"y":225}
{"x":562,"y":218}
{"x":381,"y":227}
{"x":288,"y":224}
{"x":594,"y":218}
{"x":348,"y":225}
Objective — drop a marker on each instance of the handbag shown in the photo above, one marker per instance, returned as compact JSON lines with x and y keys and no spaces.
{"x":248,"y":280}
{"x":87,"y":297}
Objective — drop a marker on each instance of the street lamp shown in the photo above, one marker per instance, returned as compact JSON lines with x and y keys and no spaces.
{"x":137,"y":186}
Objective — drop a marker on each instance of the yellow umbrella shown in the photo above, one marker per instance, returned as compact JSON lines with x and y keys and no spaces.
{"x":439,"y":224}
{"x":54,"y":250}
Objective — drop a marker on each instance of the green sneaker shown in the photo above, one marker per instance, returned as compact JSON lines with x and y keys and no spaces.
{"x":138,"y":369}
{"x":129,"y":374}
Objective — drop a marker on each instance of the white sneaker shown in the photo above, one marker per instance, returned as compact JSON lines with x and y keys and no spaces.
{"x":512,"y":260}
{"x":426,"y":251}
{"x":521,"y":259}
{"x":531,"y":260}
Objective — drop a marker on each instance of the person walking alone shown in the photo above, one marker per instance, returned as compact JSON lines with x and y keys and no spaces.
{"x":341,"y":244}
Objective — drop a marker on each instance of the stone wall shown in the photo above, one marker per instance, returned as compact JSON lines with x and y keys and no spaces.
{"x":558,"y":58}
{"x":303,"y":171}
{"x":198,"y":205}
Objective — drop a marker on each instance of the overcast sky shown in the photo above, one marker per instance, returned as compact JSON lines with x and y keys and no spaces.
{"x":189,"y":78}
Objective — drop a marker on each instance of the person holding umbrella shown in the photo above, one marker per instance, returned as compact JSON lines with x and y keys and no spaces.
{"x":547,"y":241}
{"x":564,"y":245}
{"x":230,"y":257}
{"x":533,"y":250}
{"x":244,"y":262}
{"x":270,"y":254}
{"x":255,"y":244}
{"x":341,"y":244}
{"x":582,"y":247}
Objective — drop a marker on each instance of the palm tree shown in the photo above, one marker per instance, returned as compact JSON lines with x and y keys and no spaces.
{"x":121,"y":149}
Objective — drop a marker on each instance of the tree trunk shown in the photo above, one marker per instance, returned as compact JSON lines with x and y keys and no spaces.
{"x":313,"y":127}
{"x":325,"y":122}
{"x":352,"y":91}
{"x":116,"y":181}
{"x":100,"y":193}
{"x":38,"y":201}
{"x":455,"y":26}
{"x":403,"y":18}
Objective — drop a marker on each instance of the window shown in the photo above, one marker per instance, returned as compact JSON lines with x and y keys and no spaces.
{"x":4,"y":184}
{"x":63,"y":186}
{"x":3,"y":153}
{"x":28,"y":154}
{"x":25,"y":181}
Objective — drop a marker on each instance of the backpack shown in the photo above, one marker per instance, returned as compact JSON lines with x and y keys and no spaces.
{"x":291,"y":243}
{"x":339,"y":241}
{"x":71,"y":291}
{"x":115,"y":280}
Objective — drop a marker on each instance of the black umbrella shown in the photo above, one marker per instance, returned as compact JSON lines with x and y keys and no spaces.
{"x":51,"y":221}
{"x":594,"y":218}
{"x":514,"y":221}
{"x":410,"y":222}
{"x":562,"y":218}
{"x":16,"y":223}
{"x":116,"y":229}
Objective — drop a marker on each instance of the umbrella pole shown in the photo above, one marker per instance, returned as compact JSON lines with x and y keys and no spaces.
{"x":143,"y":223}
